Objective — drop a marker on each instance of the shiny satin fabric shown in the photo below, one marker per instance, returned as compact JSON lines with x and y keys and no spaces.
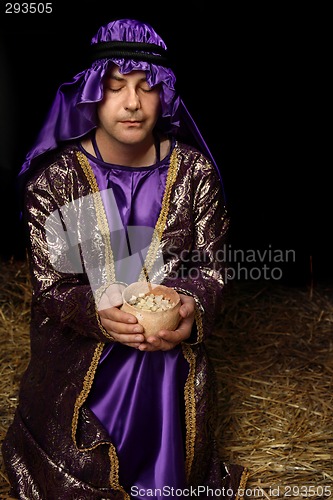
{"x":132,"y":200}
{"x":55,"y":434}
{"x":139,"y":397}
{"x":143,"y":410}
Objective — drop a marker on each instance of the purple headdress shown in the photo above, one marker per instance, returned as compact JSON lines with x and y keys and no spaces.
{"x":132,"y":45}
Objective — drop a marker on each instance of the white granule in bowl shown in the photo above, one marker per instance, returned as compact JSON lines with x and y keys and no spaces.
{"x":151,"y":302}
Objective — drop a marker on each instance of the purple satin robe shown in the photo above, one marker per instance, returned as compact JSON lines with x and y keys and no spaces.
{"x":139,"y":396}
{"x":56,"y":447}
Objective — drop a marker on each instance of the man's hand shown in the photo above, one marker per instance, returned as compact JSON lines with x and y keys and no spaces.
{"x":165,"y":340}
{"x":124,"y":327}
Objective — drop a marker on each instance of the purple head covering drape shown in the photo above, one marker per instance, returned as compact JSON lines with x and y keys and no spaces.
{"x":73,"y":112}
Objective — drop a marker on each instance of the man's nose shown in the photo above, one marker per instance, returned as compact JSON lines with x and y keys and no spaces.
{"x":133,"y":101}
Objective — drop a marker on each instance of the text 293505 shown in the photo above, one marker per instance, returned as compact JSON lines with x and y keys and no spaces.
{"x":28,"y":8}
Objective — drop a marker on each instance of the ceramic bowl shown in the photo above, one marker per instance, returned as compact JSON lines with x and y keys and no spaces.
{"x":152,"y":321}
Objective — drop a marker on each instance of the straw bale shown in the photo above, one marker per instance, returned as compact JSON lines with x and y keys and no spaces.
{"x":273,"y":354}
{"x":15,"y":297}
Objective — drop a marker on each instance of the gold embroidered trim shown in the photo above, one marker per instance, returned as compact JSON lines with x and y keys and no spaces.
{"x":190,"y":409}
{"x":110,"y":272}
{"x":114,"y":472}
{"x":161,"y":222}
{"x":198,"y":320}
{"x":242,"y":484}
{"x":87,"y":383}
{"x":101,"y":216}
{"x":105,"y":332}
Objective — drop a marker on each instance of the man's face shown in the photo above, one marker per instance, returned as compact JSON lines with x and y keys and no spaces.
{"x":130,"y":108}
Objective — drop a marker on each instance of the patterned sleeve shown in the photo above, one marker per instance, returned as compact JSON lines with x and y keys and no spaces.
{"x":203,"y":270}
{"x":61,"y":289}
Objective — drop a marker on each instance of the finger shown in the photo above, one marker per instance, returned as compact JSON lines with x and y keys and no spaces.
{"x":112,"y":326}
{"x":122,"y":328}
{"x":173,"y":337}
{"x":116,"y":314}
{"x":156,"y":344}
{"x":183,"y":311}
{"x":187,"y":309}
{"x":134,"y":340}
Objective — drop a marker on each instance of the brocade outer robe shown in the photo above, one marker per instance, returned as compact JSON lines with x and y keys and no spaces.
{"x":56,"y":448}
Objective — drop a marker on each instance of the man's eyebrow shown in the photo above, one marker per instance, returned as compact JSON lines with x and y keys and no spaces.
{"x":120,"y":78}
{"x":116,"y":77}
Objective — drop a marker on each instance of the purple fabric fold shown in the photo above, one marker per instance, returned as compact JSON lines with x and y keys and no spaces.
{"x":132,"y":200}
{"x":143,"y":412}
{"x":142,"y":407}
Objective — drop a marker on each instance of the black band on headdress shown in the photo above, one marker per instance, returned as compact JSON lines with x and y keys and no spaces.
{"x":137,"y":51}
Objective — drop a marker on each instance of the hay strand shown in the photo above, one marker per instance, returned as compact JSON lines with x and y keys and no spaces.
{"x":273,"y":354}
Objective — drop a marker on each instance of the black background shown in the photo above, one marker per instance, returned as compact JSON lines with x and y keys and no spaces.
{"x":254,"y":79}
